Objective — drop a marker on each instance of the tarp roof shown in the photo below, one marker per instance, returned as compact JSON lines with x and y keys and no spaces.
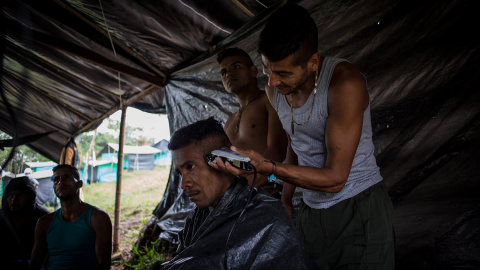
{"x":421,"y":60}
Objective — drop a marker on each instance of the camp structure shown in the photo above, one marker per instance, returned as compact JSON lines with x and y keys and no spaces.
{"x":42,"y":172}
{"x":69,"y":64}
{"x":101,"y":171}
{"x":165,"y":156}
{"x":136,"y":158}
{"x":45,"y":193}
{"x":41,"y":166}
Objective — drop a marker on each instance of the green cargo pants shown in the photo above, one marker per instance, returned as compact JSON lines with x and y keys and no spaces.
{"x":356,"y":233}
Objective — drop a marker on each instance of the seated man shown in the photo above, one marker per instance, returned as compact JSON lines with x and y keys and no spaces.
{"x":20,"y":215}
{"x":76,"y":236}
{"x":233,"y":225}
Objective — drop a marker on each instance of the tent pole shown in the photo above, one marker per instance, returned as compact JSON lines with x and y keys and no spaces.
{"x":121,"y":141}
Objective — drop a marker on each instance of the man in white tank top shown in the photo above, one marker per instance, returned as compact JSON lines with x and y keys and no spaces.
{"x":345,"y":219}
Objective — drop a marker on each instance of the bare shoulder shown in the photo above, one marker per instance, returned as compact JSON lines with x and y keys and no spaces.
{"x":269,"y":91}
{"x":267,"y":102}
{"x":348,"y":82}
{"x":99,"y":213}
{"x":44,"y":222}
{"x":100,"y":217}
{"x":257,"y":107}
{"x":230,"y":119}
{"x":346,"y":73}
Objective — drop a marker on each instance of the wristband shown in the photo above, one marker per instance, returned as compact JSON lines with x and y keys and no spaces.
{"x":272,"y":177}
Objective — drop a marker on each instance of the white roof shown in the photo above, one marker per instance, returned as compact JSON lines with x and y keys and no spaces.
{"x":37,"y":175}
{"x":101,"y":162}
{"x":40,"y":164}
{"x":130,"y":149}
{"x":42,"y":174}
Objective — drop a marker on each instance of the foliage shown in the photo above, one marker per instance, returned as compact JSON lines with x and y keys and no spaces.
{"x":22,"y":154}
{"x":102,"y":139}
{"x":145,"y":257}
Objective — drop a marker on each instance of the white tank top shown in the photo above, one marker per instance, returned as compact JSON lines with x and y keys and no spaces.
{"x":308,"y":142}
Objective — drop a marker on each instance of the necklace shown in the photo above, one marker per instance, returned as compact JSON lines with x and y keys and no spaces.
{"x":292,"y":127}
{"x":240,"y":111}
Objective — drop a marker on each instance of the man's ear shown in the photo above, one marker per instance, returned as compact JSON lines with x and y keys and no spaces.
{"x":253,"y":71}
{"x":314,"y":62}
{"x":80,"y":183}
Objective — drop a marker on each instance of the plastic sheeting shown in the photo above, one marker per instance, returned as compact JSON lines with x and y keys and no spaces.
{"x":240,"y":234}
{"x":45,"y":193}
{"x":420,"y":59}
{"x":420,"y":63}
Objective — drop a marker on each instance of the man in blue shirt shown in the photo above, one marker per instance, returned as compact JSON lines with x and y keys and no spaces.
{"x":76,"y":236}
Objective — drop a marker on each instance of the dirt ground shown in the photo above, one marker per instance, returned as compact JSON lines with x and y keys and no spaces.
{"x":129,"y":231}
{"x":134,"y":219}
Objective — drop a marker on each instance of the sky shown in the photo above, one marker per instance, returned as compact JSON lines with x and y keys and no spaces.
{"x":154,"y":125}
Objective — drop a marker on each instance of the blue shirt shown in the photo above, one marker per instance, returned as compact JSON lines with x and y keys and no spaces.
{"x":71,"y":245}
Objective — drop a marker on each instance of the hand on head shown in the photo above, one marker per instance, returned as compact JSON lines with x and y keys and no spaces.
{"x":256,"y":160}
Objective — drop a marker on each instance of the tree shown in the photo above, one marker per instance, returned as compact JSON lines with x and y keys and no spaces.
{"x":102,"y":139}
{"x":25,"y":154}
{"x":22,"y":154}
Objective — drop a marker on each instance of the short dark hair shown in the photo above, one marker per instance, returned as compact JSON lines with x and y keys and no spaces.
{"x":289,"y":30}
{"x":208,"y":130}
{"x":75,"y":173}
{"x":231,"y":52}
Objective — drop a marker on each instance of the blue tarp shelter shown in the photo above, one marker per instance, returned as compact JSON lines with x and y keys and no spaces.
{"x":136,"y":158}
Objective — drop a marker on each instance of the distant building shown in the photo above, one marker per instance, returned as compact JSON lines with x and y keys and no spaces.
{"x":135,"y":158}
{"x":41,"y":166}
{"x":42,"y":171}
{"x":164,"y":157}
{"x":99,"y":171}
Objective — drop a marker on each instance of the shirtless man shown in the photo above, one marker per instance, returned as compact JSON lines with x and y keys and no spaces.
{"x":256,"y":124}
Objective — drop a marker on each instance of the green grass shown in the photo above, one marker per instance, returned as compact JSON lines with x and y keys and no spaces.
{"x":140,"y":191}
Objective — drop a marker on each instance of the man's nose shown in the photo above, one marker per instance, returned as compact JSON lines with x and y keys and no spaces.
{"x":185,"y":182}
{"x":13,"y":197}
{"x":230,"y":71}
{"x":61,"y":179}
{"x":273,"y":80}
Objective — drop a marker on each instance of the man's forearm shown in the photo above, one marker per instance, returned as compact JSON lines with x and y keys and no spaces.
{"x":287,"y":195}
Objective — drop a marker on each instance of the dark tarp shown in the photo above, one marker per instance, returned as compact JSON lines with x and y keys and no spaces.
{"x":421,"y":60}
{"x":242,"y":232}
{"x":421,"y":65}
